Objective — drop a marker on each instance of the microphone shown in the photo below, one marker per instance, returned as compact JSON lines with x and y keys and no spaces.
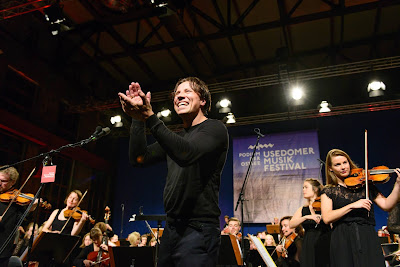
{"x":103,"y":132}
{"x":97,"y":131}
{"x":257,"y":131}
{"x":320,"y":161}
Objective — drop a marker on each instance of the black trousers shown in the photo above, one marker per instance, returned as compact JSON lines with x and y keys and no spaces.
{"x":189,"y":244}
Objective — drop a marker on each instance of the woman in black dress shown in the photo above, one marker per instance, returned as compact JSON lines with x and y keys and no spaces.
{"x":354,"y":241}
{"x":315,"y":249}
{"x":56,"y":221}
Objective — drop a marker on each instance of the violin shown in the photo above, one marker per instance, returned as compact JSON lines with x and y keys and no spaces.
{"x":21,"y":198}
{"x":76,"y":214}
{"x":317,"y":204}
{"x":379,"y":174}
{"x":288,"y":242}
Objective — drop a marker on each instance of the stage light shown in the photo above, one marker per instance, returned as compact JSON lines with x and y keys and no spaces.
{"x":324,"y":107}
{"x":116,"y":121}
{"x":165,"y":112}
{"x":297,"y":93}
{"x":54,"y":15}
{"x":230,"y":118}
{"x":376,"y":88}
{"x":224,"y":105}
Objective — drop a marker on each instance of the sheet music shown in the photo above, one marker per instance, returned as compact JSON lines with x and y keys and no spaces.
{"x":263,"y":251}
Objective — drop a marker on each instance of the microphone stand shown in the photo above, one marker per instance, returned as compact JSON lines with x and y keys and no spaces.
{"x":122,"y":219}
{"x":46,"y":161}
{"x":47,"y":155}
{"x":241,"y":197}
{"x":321,"y":164}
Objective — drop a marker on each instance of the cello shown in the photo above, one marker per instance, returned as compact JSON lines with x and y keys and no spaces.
{"x":101,"y":258}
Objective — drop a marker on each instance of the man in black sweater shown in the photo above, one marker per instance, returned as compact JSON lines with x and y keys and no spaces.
{"x":195,"y":159}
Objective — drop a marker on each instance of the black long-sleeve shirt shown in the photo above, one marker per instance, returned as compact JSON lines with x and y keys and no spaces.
{"x":195,"y":159}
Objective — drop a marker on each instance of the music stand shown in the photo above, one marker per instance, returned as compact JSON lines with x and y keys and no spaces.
{"x":229,"y":251}
{"x":132,"y":256}
{"x":52,"y":248}
{"x":273,"y":229}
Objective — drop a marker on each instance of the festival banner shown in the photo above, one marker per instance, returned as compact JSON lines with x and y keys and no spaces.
{"x":275,"y":184}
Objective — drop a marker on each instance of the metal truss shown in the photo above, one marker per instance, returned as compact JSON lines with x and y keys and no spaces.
{"x":269,"y":80}
{"x":13,"y":8}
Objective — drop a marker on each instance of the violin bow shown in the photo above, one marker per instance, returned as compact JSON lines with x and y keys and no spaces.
{"x":76,"y":207}
{"x":17,"y":193}
{"x":366,"y":167}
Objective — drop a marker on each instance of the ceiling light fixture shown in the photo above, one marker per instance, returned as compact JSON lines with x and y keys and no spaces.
{"x":376,"y":88}
{"x":116,"y":121}
{"x":224,"y":105}
{"x":230,"y":118}
{"x":324,"y":107}
{"x":297,"y":93}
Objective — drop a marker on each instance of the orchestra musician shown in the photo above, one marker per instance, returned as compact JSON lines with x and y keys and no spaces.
{"x":23,"y":242}
{"x":57,"y":219}
{"x":316,"y":237}
{"x":354,"y":241}
{"x":233,"y":228}
{"x":97,"y":237}
{"x":8,"y":178}
{"x":195,"y":159}
{"x":289,"y":249}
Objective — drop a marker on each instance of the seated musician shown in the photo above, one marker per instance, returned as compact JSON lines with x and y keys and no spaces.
{"x":143,"y":241}
{"x":57,"y":219}
{"x":225,"y":229}
{"x":289,"y":249}
{"x":134,"y":239}
{"x":23,"y":242}
{"x":86,"y":240}
{"x":107,"y":231}
{"x":233,"y":228}
{"x":82,"y":259}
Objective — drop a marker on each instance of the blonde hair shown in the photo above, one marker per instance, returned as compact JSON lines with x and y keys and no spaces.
{"x":12,"y":173}
{"x":331,"y":178}
{"x":234,"y":219}
{"x":273,"y":240}
{"x":133,"y":238}
{"x":83,"y":240}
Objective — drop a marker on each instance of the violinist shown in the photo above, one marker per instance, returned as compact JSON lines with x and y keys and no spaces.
{"x":289,"y":249}
{"x":233,"y":228}
{"x":316,"y":238}
{"x":8,"y":178}
{"x":97,"y":237}
{"x":57,"y":219}
{"x":354,"y":241}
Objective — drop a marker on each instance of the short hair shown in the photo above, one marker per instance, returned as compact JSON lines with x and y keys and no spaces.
{"x":11,"y":172}
{"x":234,"y":219}
{"x":95,"y":233}
{"x":76,"y":191}
{"x":331,"y":178}
{"x":201,"y":88}
{"x":133,"y":238}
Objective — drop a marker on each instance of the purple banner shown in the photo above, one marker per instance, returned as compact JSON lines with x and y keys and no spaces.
{"x":281,"y":164}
